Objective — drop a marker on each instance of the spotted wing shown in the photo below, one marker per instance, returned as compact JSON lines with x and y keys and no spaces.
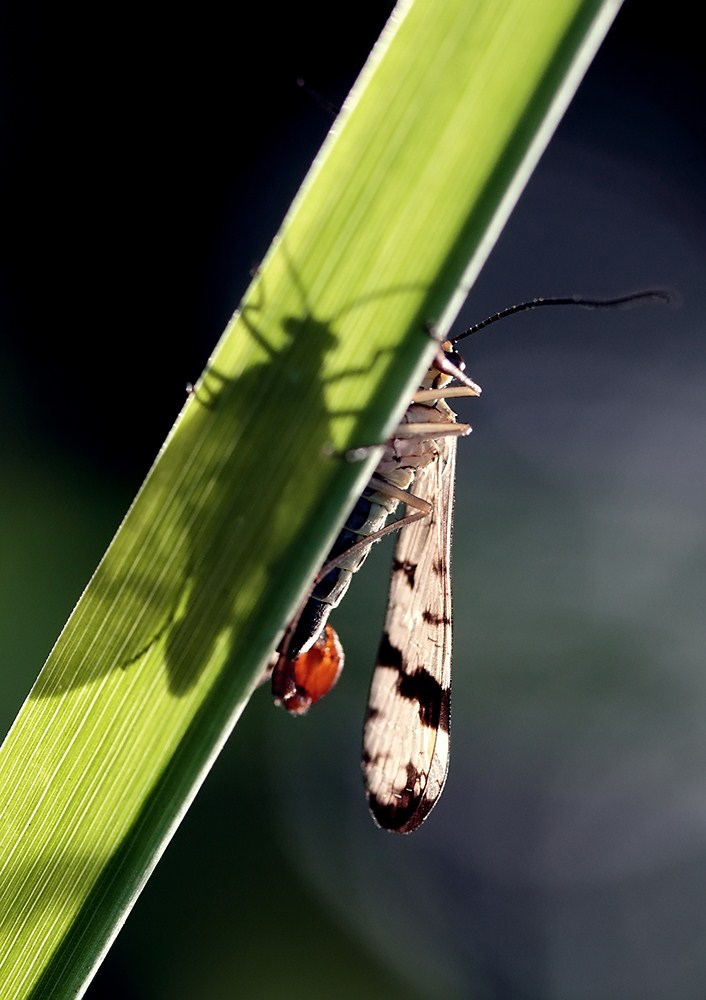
{"x":406,"y":735}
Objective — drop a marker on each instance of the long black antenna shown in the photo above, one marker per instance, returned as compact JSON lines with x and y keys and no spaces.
{"x":635,"y":298}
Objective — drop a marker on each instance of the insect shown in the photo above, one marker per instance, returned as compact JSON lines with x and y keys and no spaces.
{"x":406,"y":732}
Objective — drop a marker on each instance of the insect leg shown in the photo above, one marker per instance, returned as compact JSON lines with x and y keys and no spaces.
{"x":425,"y":432}
{"x":450,"y":392}
{"x":422,"y":509}
{"x":418,"y":431}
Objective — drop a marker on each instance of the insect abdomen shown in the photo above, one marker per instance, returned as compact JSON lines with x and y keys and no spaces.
{"x":367,"y":517}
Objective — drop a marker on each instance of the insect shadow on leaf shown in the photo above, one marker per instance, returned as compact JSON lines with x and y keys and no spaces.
{"x":193,"y":622}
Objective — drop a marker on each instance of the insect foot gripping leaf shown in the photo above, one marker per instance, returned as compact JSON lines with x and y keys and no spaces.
{"x":300,"y":682}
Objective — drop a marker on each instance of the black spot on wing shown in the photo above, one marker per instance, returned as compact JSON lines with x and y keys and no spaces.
{"x":407,"y":809}
{"x":409,"y":569}
{"x":431,"y":619}
{"x":389,"y":655}
{"x":420,"y":686}
{"x":445,"y":712}
{"x":371,"y":713}
{"x":439,"y":566}
{"x":432,"y":698}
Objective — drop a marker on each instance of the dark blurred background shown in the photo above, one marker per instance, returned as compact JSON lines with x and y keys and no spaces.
{"x":147,"y":160}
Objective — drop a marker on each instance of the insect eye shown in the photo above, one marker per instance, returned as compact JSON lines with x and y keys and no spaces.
{"x":456,"y":360}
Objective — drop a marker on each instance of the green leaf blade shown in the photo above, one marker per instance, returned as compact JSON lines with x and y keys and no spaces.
{"x":168,"y":641}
